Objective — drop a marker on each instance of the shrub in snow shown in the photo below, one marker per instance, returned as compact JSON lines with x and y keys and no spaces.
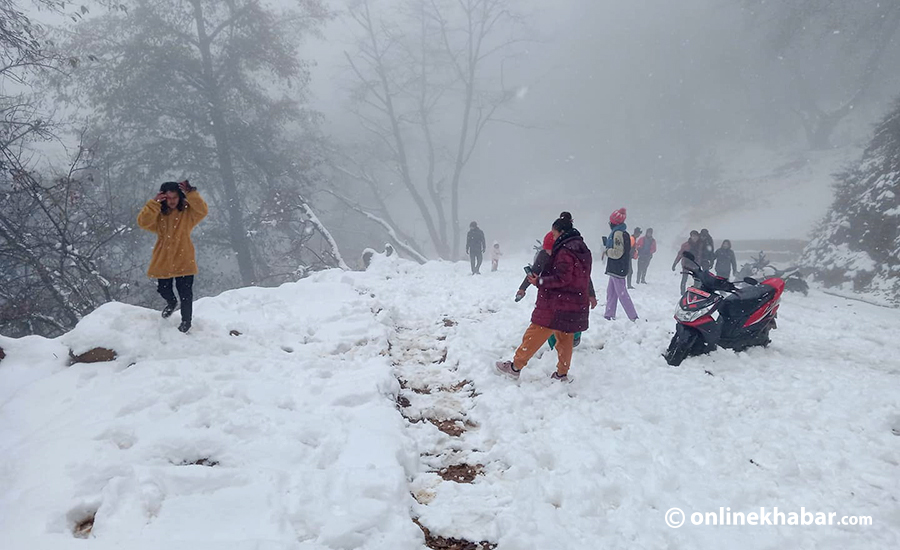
{"x":858,"y":242}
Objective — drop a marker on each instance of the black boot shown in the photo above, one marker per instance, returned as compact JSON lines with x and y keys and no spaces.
{"x":164,"y":287}
{"x":169,"y":309}
{"x":185,"y":287}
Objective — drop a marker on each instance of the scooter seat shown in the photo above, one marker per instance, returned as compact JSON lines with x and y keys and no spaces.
{"x":752,"y":294}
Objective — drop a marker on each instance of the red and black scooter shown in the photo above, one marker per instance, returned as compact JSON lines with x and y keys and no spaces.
{"x":706,"y":319}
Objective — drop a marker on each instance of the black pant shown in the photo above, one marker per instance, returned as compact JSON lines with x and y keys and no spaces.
{"x":643,"y":264}
{"x":185,"y":286}
{"x":630,"y":271}
{"x":476,"y":257}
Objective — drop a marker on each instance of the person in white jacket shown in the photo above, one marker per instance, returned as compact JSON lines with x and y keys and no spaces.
{"x":495,"y":256}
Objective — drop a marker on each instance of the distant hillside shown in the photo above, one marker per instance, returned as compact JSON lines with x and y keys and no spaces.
{"x":858,"y":242}
{"x":766,"y":195}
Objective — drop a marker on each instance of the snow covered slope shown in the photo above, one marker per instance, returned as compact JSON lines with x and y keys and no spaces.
{"x":283,"y":436}
{"x":352,"y":403}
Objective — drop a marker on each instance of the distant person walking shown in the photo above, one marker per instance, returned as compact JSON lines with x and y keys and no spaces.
{"x":172,"y":215}
{"x":693,"y":246}
{"x":645,"y":249}
{"x":496,"y":254}
{"x":725,"y":260}
{"x":475,"y":247}
{"x":618,"y":253}
{"x":633,"y":256}
{"x":563,"y":304}
{"x":707,"y":250}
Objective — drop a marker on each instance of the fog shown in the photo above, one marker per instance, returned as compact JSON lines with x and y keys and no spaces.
{"x":318,"y":129}
{"x":623,"y":103}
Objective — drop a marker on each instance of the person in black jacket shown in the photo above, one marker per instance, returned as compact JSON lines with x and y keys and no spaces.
{"x":475,"y":247}
{"x":725,"y":260}
{"x":618,"y":253}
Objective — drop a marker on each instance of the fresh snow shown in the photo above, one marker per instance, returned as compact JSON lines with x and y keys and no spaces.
{"x":299,"y":415}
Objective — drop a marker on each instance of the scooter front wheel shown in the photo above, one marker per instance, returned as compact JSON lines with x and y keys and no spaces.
{"x":681,"y":346}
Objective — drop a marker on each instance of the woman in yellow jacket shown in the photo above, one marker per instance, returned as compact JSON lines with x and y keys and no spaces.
{"x":172,"y":214}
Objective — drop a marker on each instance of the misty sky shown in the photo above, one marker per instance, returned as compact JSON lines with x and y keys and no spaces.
{"x":618,"y":92}
{"x":614,"y":95}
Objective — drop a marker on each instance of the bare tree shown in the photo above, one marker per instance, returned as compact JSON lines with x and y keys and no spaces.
{"x":804,"y":34}
{"x":49,"y":263}
{"x":56,"y":244}
{"x":205,"y":88}
{"x":429,"y":79}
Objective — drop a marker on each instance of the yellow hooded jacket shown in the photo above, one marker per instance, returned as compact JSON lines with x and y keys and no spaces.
{"x":173,"y":255}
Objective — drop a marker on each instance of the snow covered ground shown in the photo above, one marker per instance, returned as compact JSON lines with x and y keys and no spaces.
{"x":351,"y":403}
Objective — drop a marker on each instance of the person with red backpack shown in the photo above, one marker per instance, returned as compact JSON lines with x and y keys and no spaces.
{"x":633,"y":256}
{"x":563,"y":304}
{"x":645,"y":248}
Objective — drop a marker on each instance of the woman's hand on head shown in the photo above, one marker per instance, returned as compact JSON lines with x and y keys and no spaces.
{"x":160,"y":197}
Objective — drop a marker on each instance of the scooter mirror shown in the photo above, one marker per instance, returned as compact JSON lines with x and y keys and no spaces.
{"x":751,"y":281}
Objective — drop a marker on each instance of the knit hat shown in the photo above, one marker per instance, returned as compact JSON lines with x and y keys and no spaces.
{"x":617,"y":217}
{"x":549,"y":240}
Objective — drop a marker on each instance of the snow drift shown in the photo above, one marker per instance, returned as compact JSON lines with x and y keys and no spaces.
{"x":330,"y":413}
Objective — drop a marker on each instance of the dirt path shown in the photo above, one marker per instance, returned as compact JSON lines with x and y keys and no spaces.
{"x":437,"y":403}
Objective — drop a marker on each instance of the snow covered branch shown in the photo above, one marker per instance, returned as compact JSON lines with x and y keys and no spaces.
{"x":320,"y":227}
{"x":409,"y":249}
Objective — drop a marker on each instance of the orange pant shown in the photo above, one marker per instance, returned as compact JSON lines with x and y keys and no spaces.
{"x":535,"y":337}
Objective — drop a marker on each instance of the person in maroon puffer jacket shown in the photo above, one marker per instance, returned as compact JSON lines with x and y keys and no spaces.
{"x":563,"y":304}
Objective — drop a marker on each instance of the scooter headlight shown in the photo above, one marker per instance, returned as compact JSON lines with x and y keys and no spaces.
{"x":689,"y":316}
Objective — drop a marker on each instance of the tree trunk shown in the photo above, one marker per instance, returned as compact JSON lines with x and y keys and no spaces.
{"x":237,"y":233}
{"x":460,"y":164}
{"x":441,"y":245}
